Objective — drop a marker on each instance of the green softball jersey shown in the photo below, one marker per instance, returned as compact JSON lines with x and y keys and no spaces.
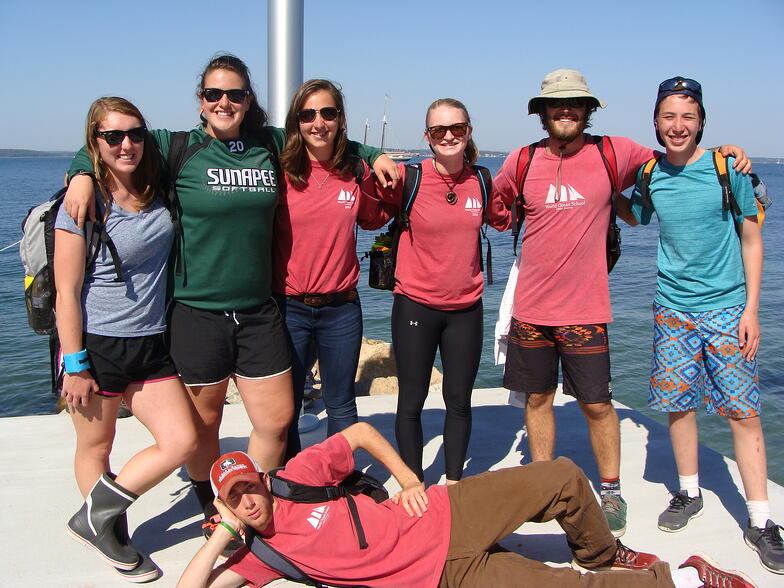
{"x":227,"y":193}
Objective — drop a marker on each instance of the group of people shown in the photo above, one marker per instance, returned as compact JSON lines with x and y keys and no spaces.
{"x":239,"y":261}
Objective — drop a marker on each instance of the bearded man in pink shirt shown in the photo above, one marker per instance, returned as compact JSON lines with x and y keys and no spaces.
{"x":562,"y":298}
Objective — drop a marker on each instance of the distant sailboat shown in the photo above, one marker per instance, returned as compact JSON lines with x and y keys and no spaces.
{"x":393,"y":155}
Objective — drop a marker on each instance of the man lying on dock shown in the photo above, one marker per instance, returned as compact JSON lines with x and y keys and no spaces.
{"x":440,"y":536}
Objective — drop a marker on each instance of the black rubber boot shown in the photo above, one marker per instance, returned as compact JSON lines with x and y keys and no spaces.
{"x":146,"y":570}
{"x":93,"y":524}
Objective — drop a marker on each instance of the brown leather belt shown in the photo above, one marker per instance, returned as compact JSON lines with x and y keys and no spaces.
{"x":319,"y":300}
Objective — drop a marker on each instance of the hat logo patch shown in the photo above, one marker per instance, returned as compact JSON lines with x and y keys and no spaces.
{"x":227,"y":463}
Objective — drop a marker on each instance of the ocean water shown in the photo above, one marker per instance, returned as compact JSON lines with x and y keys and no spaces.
{"x":24,"y":389}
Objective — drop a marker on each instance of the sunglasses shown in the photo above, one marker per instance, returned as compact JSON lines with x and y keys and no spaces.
{"x":567,"y":102}
{"x":308,"y":115}
{"x":114,"y":138}
{"x":438,"y":132}
{"x":215,"y":94}
{"x":680,"y":84}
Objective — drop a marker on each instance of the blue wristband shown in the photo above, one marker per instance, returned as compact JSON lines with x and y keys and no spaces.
{"x":76,"y":362}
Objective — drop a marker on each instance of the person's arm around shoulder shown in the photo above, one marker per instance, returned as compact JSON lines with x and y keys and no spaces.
{"x":373,"y":212}
{"x":201,"y":571}
{"x":752,"y":252}
{"x":412,"y":496}
{"x":742,"y":163}
{"x":623,"y":208}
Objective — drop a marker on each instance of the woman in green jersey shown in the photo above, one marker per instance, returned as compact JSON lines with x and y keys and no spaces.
{"x":223,"y":322}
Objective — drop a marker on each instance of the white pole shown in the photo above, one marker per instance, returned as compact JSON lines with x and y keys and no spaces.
{"x":285,"y":32}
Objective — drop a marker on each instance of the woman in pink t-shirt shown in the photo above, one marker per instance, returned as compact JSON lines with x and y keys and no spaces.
{"x":315,"y":268}
{"x":438,"y":286}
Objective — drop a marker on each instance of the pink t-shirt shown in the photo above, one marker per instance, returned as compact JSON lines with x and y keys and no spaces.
{"x":563,"y":269}
{"x":438,"y":257}
{"x":314,"y":249}
{"x":320,"y":538}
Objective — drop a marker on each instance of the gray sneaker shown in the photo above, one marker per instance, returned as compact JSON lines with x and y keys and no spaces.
{"x":681,"y":510}
{"x":768,"y":544}
{"x":614,"y":508}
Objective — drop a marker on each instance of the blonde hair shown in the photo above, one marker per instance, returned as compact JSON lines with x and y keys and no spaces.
{"x":471,"y":153}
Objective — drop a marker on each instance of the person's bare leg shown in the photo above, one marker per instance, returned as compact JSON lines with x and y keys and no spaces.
{"x":164,"y":408}
{"x":208,"y":403}
{"x":750,"y":454}
{"x":95,"y":427}
{"x":605,"y":433}
{"x":270,"y":406}
{"x":684,"y":438}
{"x":540,"y":425}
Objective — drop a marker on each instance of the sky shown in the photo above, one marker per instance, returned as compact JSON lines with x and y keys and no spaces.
{"x":57,"y":57}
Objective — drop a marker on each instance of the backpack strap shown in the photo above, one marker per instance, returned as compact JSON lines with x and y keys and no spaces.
{"x":410,"y":188}
{"x":302,"y":493}
{"x":486,"y":187}
{"x":728,"y":201}
{"x":524,"y":159}
{"x":179,"y":154}
{"x":276,"y":560}
{"x":645,"y":181}
{"x":95,"y":235}
{"x":607,"y":151}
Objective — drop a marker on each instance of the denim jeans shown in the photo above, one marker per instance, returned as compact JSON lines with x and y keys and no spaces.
{"x":332,"y":335}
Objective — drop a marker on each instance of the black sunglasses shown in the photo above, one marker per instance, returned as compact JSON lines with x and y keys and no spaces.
{"x":215,"y":94}
{"x":438,"y":132}
{"x":680,"y":84}
{"x":308,"y":115}
{"x":114,"y":138}
{"x":567,"y":102}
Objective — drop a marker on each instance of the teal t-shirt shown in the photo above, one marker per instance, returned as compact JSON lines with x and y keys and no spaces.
{"x":699,"y":259}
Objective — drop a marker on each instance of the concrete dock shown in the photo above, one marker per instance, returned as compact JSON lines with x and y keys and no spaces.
{"x":38,"y":487}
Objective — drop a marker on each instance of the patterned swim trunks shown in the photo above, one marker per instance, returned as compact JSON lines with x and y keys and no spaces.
{"x":696,"y":359}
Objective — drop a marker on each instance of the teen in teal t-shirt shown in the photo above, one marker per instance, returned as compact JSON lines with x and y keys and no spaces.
{"x":699,"y":255}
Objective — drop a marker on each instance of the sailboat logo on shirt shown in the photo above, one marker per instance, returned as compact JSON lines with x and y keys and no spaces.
{"x":346,"y":198}
{"x":473,"y":206}
{"x":318,"y":516}
{"x":568,"y":198}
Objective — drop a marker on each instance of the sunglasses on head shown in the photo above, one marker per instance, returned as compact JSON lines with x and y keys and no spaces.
{"x":215,"y":94}
{"x":567,"y":102}
{"x":674,"y":84}
{"x":308,"y":115}
{"x":438,"y":132}
{"x":114,"y":138}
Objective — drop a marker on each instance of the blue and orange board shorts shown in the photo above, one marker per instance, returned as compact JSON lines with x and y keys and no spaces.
{"x":696,"y":359}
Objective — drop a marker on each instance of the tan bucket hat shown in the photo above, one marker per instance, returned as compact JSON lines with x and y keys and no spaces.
{"x":563,"y":83}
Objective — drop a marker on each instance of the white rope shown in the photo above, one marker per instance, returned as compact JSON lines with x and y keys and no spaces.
{"x":11,"y":245}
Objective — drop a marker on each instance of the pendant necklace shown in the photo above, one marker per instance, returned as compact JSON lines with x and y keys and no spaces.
{"x":322,"y":182}
{"x":451,"y":197}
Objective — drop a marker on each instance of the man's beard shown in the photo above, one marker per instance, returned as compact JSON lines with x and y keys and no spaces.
{"x":566,"y":136}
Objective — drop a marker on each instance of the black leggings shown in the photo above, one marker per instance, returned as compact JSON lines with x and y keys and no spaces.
{"x":417,"y":331}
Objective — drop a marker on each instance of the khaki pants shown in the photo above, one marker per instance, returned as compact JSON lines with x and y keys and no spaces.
{"x":488,"y":507}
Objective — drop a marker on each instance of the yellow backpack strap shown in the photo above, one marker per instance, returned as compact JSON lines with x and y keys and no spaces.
{"x":728,"y":201}
{"x":645,"y":181}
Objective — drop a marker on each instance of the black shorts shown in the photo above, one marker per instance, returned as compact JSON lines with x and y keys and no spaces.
{"x":208,"y":346}
{"x":117,"y":362}
{"x":534,"y":351}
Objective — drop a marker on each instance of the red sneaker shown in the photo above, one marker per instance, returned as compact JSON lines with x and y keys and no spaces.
{"x":624,"y":559}
{"x":713,"y":576}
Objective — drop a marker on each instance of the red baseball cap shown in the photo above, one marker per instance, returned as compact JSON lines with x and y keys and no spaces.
{"x":231,"y":468}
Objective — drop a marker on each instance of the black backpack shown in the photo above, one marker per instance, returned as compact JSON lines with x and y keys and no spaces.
{"x":381,"y":274}
{"x":355,"y":483}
